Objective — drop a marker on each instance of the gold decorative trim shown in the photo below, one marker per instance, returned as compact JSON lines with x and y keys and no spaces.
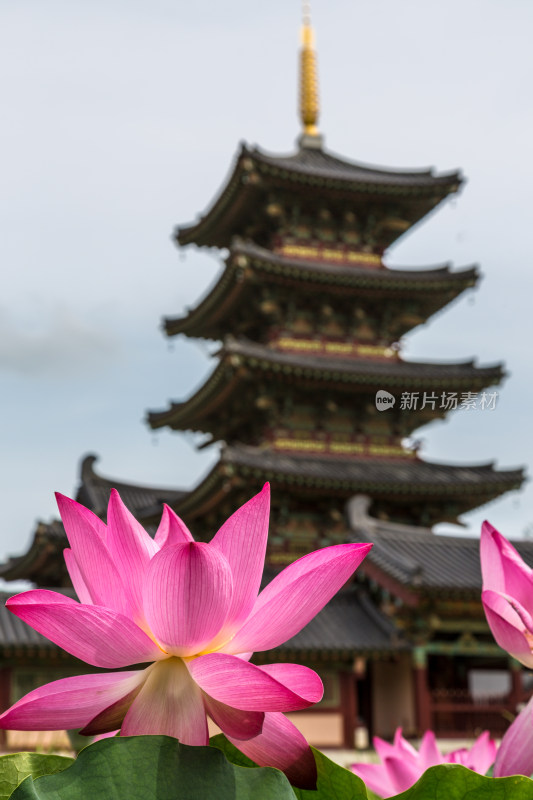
{"x":342,"y":448}
{"x":317,"y":346}
{"x":331,"y":254}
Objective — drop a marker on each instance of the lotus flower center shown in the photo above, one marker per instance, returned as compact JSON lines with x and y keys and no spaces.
{"x":171,"y":675}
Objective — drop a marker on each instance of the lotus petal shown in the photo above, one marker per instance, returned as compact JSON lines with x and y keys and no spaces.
{"x":171,"y":529}
{"x":400,"y":745}
{"x":296,"y":595}
{"x":131,"y":547}
{"x":97,"y":568}
{"x":77,"y":517}
{"x":80,"y":587}
{"x":188,"y":591}
{"x":233,"y":721}
{"x":429,"y":753}
{"x":508,"y":626}
{"x":402,"y":772}
{"x":68,"y":703}
{"x":242,"y":685}
{"x":515,"y":755}
{"x":481,"y":755}
{"x":111,"y":718}
{"x":301,"y":680}
{"x":376,"y":777}
{"x":94,"y":634}
{"x":169,"y":703}
{"x":503,"y":568}
{"x":402,"y":765}
{"x":242,"y":540}
{"x":281,"y":745}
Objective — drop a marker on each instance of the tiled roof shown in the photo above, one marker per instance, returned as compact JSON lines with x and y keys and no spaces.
{"x":235,"y":294}
{"x":142,"y":501}
{"x":356,"y":275}
{"x":414,"y":476}
{"x":420,"y":559}
{"x":349,"y":624}
{"x":320,"y":163}
{"x":398,"y":481}
{"x":394,"y":375}
{"x":433,"y":561}
{"x":43,"y":562}
{"x":310,"y":170}
{"x":391,"y":372}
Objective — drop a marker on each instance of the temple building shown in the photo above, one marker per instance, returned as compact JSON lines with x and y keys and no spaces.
{"x":310,"y":392}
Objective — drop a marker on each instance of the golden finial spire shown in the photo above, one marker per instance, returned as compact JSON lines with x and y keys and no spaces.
{"x":308,"y":77}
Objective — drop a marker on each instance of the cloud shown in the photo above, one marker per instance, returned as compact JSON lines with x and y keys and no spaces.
{"x":58,"y":342}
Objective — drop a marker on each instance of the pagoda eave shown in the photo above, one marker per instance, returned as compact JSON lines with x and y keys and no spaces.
{"x":405,"y":481}
{"x":319,"y":163}
{"x":255,"y":173}
{"x":43,"y":562}
{"x":249,"y":265}
{"x":426,"y":563}
{"x":351,"y":273}
{"x":240,"y":362}
{"x":145,"y":502}
{"x":390,"y":371}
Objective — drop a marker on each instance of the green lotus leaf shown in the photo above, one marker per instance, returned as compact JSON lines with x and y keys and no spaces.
{"x":154,"y":768}
{"x":17,"y":766}
{"x":453,"y":782}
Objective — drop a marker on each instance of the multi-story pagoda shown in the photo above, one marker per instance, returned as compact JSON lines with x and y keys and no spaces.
{"x":310,"y":320}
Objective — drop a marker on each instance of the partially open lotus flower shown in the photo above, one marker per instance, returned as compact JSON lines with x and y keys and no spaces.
{"x":508,"y":602}
{"x":402,"y":765}
{"x":192,"y":611}
{"x":507,"y":594}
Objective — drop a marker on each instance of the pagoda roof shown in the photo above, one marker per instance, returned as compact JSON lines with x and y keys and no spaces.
{"x":317,"y":162}
{"x":411,"y":479}
{"x":314,"y":168}
{"x":144,"y":502}
{"x":43,"y":562}
{"x":421,"y":560}
{"x":239,"y":357}
{"x":248,"y":264}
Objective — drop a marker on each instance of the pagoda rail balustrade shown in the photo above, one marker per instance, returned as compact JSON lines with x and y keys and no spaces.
{"x":321,"y":344}
{"x":454,"y":713}
{"x":348,"y":445}
{"x":329,"y":250}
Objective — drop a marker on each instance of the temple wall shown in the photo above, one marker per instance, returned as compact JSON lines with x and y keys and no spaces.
{"x":392,"y":696}
{"x":321,"y":729}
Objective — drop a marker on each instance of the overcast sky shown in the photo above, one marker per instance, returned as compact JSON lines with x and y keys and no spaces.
{"x":121,"y":119}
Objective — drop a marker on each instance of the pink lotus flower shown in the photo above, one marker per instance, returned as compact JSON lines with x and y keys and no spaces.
{"x":192,"y":611}
{"x":508,"y":602}
{"x":507,"y":595}
{"x":402,"y":765}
